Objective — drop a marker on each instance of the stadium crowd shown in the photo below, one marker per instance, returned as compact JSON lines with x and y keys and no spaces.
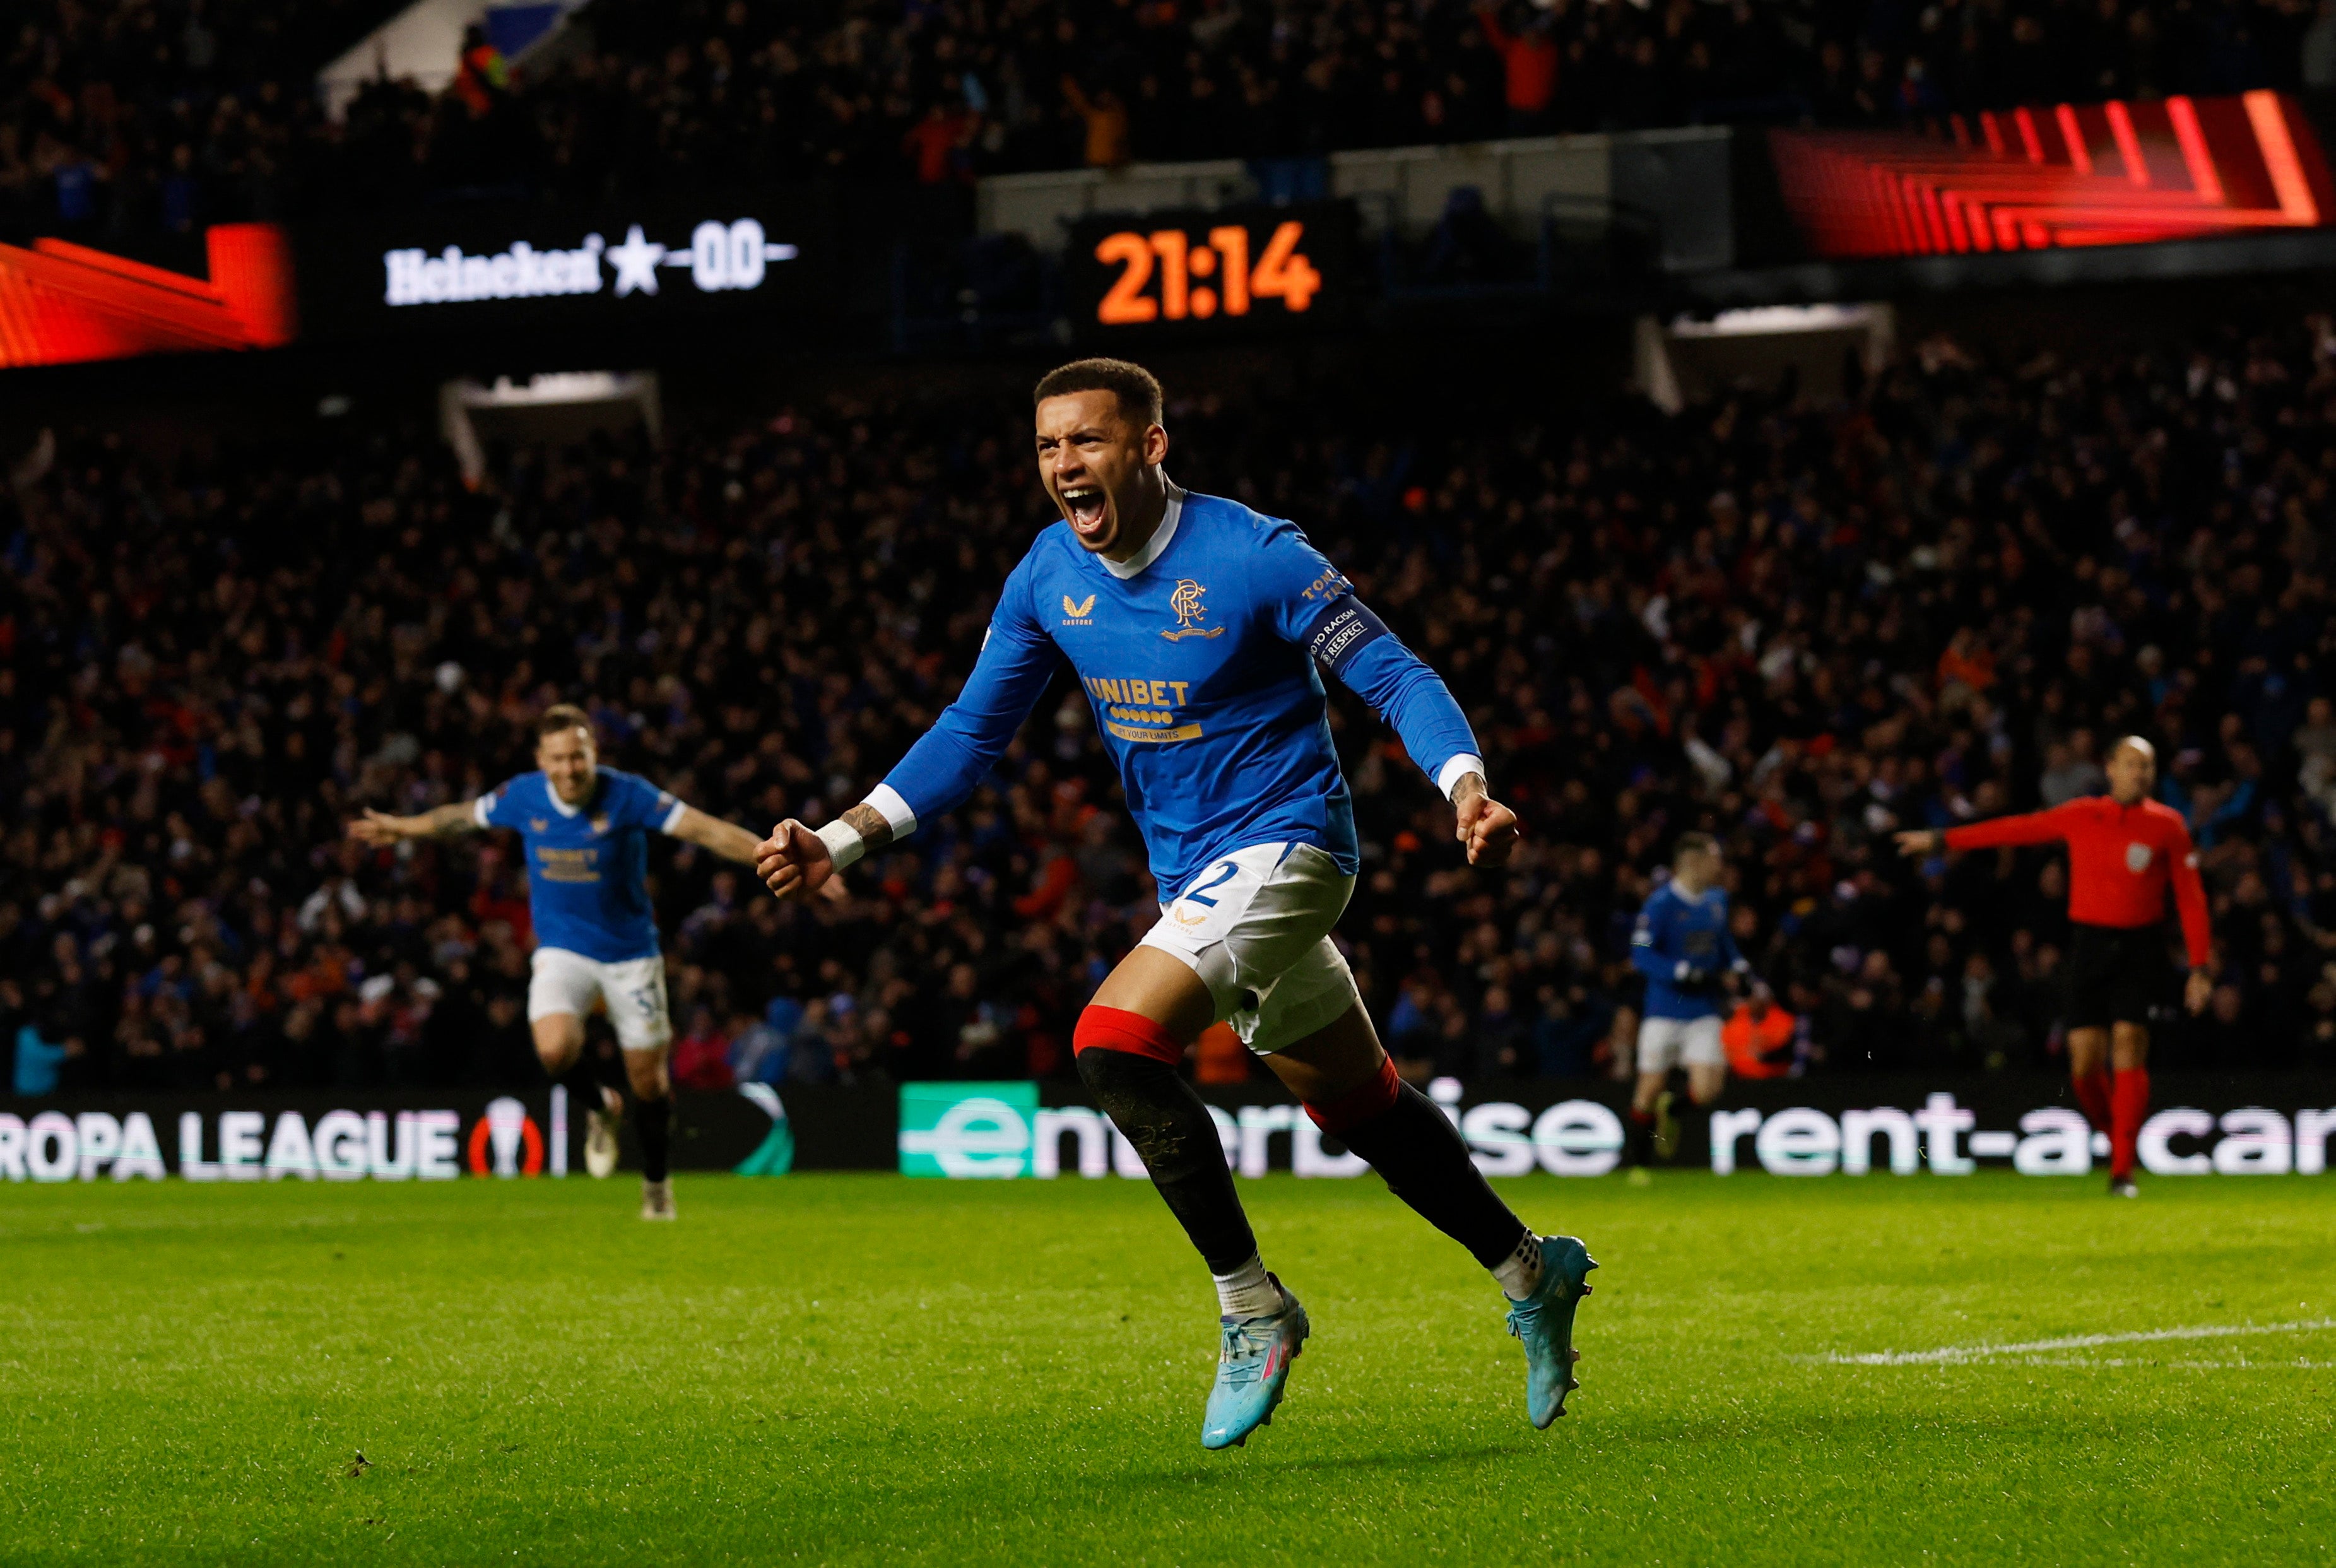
{"x":1798,"y":626}
{"x":123,"y":119}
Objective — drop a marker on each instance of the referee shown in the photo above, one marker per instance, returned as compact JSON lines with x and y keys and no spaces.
{"x":2124,"y":849}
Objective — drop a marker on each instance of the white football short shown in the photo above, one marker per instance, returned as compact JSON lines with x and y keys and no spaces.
{"x":1667,"y":1043}
{"x":632,"y":989}
{"x":1255,"y":926}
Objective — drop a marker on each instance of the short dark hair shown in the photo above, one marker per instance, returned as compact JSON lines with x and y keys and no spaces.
{"x":1690,"y":843}
{"x":1137,"y":389}
{"x":560,"y":717}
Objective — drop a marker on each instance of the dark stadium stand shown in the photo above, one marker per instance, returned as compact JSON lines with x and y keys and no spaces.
{"x":127,"y":118}
{"x":1799,"y":625}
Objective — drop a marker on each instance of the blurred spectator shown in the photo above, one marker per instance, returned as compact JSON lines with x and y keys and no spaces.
{"x":1105,"y":118}
{"x":1758,"y":1038}
{"x":701,"y":1056}
{"x":1529,"y":68}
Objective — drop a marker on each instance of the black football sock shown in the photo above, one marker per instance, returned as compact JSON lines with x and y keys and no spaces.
{"x":1642,"y":1136}
{"x":1420,"y":1154}
{"x":654,"y":1120}
{"x":583,"y":1088}
{"x":586,"y":1081}
{"x":1170,"y":1126}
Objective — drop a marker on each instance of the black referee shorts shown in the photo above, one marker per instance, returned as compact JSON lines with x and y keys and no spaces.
{"x":2117,"y":974}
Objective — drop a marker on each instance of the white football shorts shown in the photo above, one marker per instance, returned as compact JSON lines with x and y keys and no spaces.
{"x":1255,"y":926}
{"x":1667,"y":1043}
{"x":632,"y":989}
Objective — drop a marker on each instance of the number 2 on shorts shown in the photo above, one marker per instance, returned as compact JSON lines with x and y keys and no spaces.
{"x":1225,"y":873}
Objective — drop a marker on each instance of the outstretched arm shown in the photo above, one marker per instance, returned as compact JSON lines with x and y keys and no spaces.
{"x":729,"y":840}
{"x":2045,"y":827}
{"x":381,"y":827}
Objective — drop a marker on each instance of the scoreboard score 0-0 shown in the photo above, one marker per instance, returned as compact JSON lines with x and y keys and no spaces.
{"x":1184,"y":273}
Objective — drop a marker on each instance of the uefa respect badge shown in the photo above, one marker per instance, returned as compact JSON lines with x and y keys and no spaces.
{"x":966,"y":1131}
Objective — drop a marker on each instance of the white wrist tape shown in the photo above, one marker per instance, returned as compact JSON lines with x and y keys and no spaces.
{"x":844,"y":844}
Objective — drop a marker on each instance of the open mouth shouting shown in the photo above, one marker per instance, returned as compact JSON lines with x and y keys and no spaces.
{"x":1089,"y":511}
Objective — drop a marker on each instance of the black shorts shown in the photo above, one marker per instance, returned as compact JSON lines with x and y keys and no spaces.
{"x":2117,"y":974}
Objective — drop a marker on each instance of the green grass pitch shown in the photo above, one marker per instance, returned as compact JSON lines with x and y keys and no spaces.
{"x":859,"y":1369}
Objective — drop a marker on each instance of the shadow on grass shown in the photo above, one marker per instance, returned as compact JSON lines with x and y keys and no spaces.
{"x":1229,"y":1469}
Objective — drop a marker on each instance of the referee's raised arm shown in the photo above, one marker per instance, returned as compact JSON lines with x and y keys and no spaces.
{"x":2044,"y":827}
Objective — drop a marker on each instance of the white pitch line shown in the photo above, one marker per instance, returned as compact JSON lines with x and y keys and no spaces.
{"x":1952,"y":1353}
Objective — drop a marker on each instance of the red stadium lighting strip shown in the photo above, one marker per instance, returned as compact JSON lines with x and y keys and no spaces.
{"x":2286,"y":170}
{"x":2204,"y":179}
{"x":2028,"y":136}
{"x":2080,"y":157}
{"x":62,"y":303}
{"x":2251,"y":166}
{"x":2136,"y":167}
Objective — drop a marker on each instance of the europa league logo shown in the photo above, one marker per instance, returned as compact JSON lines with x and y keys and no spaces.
{"x":503,"y":1129}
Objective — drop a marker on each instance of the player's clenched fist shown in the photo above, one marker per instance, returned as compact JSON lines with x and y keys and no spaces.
{"x":1484,"y":824}
{"x":793,"y":862}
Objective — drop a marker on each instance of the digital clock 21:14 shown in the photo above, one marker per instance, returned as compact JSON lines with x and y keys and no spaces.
{"x":1200,"y":281}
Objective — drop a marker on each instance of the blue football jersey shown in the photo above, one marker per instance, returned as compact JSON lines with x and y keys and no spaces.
{"x":1683,"y":946}
{"x":1202,"y":658}
{"x":588,"y":865}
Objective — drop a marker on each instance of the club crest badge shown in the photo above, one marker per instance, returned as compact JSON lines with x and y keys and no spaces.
{"x":599,"y":824}
{"x":2136,"y":858}
{"x":1190,"y":612}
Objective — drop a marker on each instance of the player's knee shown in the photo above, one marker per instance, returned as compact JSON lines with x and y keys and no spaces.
{"x":1118,"y":1031}
{"x":1133,"y":1079}
{"x":558,"y":1041}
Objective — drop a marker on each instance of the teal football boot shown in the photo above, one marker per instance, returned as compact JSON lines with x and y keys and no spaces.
{"x":1252,"y":1365}
{"x":1543,"y":1323}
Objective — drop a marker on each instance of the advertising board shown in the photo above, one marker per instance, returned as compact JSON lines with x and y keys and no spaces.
{"x":1859,"y":1127}
{"x":1817,"y":1128}
{"x":736,"y":261}
{"x":421,"y":1137}
{"x":733,"y":265}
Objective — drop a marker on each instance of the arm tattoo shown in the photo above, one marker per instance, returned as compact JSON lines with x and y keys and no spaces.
{"x":870,"y":826}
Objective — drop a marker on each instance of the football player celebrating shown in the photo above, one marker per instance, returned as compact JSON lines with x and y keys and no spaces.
{"x":586,"y":829}
{"x":2126,"y":853}
{"x":1202,"y":632}
{"x":1683,"y":945}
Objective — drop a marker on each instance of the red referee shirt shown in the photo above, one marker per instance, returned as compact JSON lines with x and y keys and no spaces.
{"x":2119,"y":861}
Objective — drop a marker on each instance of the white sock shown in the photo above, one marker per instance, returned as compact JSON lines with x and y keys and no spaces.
{"x":1247,"y":1292}
{"x":1519,"y":1272}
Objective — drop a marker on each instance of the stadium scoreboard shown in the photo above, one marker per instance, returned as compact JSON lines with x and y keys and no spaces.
{"x":1190,"y":273}
{"x":731,"y":265}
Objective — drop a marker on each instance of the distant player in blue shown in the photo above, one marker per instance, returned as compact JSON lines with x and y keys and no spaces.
{"x":1202,"y":632}
{"x":1682,"y":946}
{"x":585,"y":829}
